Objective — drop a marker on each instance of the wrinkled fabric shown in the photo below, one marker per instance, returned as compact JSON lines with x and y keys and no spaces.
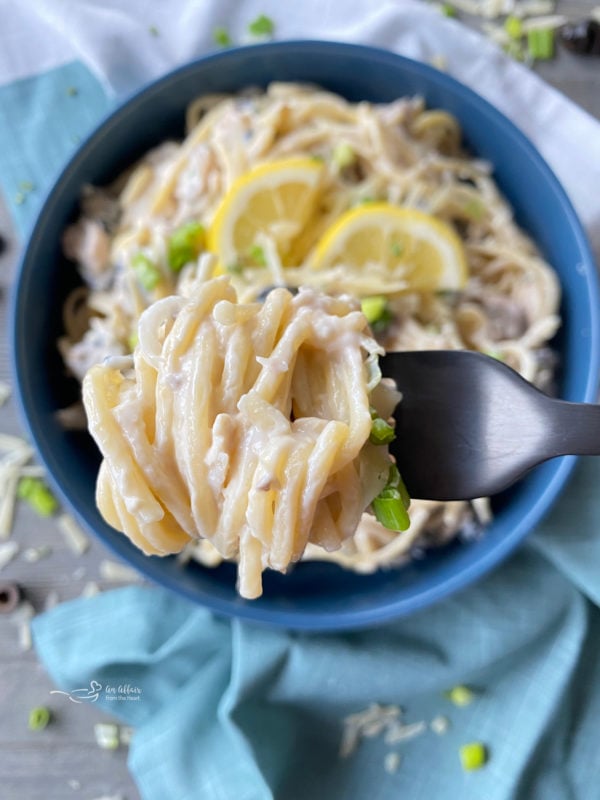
{"x":231,"y":710}
{"x":228,"y":710}
{"x":126,"y":44}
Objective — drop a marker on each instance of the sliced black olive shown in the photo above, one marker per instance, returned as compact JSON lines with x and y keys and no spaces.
{"x":581,"y":37}
{"x":10,"y":595}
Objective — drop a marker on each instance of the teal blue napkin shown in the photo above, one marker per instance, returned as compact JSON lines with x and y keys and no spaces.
{"x":42,"y":121}
{"x":227,"y":711}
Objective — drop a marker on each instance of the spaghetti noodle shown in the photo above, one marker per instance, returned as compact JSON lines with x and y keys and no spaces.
{"x":402,"y":154}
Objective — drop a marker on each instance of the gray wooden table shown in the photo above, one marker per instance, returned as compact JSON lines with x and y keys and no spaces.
{"x":64,"y":761}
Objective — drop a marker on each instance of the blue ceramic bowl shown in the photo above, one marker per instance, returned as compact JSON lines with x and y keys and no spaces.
{"x":313,"y":596}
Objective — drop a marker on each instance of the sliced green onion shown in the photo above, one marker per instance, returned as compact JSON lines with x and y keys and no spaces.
{"x":235,"y":269}
{"x":262,"y":26}
{"x":377,"y":312}
{"x":381,"y":432}
{"x":153,"y":30}
{"x":257,"y":255}
{"x":133,"y":340}
{"x":343,"y":155}
{"x":38,"y":495}
{"x":391,"y":504}
{"x":146,"y":271}
{"x":514,"y":27}
{"x":39,"y":718}
{"x":395,"y":482}
{"x":396,"y":249}
{"x":448,"y":10}
{"x":365,"y":200}
{"x":540,"y":43}
{"x":473,"y":756}
{"x":185,"y":245}
{"x":222,"y":37}
{"x":373,"y":307}
{"x":389,"y":510}
{"x":474,"y":209}
{"x":461,"y":695}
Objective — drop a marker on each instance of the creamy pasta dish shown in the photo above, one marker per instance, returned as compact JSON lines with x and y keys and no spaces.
{"x":242,"y":421}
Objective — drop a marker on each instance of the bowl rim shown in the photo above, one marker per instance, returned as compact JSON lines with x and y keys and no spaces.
{"x":293,"y":618}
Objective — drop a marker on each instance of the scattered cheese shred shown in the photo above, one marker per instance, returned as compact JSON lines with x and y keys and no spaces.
{"x":550,"y":22}
{"x":52,"y":600}
{"x":5,"y":392}
{"x":33,"y":554}
{"x":114,"y":572}
{"x":8,"y":551}
{"x":375,"y":721}
{"x":440,"y":725}
{"x":75,"y":538}
{"x":91,"y":589}
{"x":21,"y":617}
{"x":15,"y":455}
{"x":398,"y":732}
{"x":106,"y":735}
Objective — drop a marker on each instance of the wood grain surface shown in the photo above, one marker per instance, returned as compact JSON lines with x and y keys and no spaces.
{"x":64,"y":761}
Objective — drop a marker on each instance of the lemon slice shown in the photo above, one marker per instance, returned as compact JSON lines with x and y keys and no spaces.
{"x":277,"y":199}
{"x":411,"y":247}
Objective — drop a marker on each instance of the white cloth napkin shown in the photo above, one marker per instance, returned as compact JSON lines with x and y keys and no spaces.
{"x":128,"y":44}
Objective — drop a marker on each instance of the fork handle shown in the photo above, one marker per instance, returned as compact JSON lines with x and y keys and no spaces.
{"x":573,"y":429}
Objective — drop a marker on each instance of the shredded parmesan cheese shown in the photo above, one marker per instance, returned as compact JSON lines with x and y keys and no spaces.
{"x":114,"y":572}
{"x":91,"y":589}
{"x":22,"y":617}
{"x":5,"y":392}
{"x":33,"y":554}
{"x":8,"y":551}
{"x":76,"y":540}
{"x":15,"y":455}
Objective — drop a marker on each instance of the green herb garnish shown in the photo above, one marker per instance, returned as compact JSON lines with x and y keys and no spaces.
{"x":185,"y":245}
{"x":35,"y":492}
{"x":39,"y":718}
{"x":262,"y":26}
{"x":391,"y":504}
{"x":448,"y":10}
{"x":343,"y":155}
{"x":146,"y":271}
{"x":474,"y":210}
{"x":222,"y":37}
{"x":473,"y":756}
{"x":257,"y":255}
{"x":381,"y":432}
{"x":153,"y":30}
{"x":373,"y":307}
{"x":540,"y":43}
{"x":514,"y":27}
{"x":460,"y":695}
